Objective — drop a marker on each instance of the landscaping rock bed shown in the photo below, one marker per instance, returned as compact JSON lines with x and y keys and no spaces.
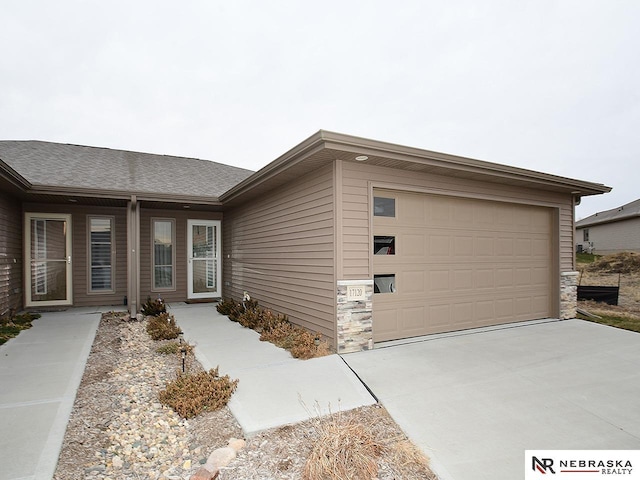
{"x":119,"y":430}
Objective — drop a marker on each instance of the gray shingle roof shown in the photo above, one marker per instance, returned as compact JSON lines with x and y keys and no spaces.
{"x":629,"y":210}
{"x":75,"y":166}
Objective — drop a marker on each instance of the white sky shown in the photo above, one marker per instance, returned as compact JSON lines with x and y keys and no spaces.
{"x":550,"y":85}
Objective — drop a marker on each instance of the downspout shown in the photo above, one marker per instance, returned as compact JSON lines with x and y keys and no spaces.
{"x":133,"y":257}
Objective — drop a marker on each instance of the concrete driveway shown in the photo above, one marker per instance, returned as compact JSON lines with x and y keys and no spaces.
{"x":476,"y":400}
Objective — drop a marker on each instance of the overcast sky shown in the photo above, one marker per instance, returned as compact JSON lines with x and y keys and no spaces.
{"x":548,"y":85}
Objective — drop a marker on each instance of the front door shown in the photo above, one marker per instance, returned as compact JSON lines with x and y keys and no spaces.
{"x":48,"y":257}
{"x":203,"y":272}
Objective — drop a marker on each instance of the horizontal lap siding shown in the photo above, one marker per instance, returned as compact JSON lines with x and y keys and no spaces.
{"x":620,"y":236}
{"x":355,"y":205}
{"x":10,"y":255}
{"x":280,"y":249}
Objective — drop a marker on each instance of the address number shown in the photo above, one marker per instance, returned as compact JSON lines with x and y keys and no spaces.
{"x":356,"y":292}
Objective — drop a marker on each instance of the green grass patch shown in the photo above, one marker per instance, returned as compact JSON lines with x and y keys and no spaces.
{"x":11,"y":326}
{"x":627,"y":323}
{"x":586,"y":257}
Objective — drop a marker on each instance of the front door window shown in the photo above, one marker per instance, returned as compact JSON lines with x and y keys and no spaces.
{"x":48,"y":242}
{"x":204,"y":254}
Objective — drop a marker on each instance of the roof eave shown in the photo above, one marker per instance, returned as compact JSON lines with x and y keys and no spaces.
{"x":362,"y":146}
{"x":124,"y":195}
{"x":13,"y":177}
{"x":279,"y":165}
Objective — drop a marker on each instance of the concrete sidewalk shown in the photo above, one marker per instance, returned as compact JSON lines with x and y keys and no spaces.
{"x":40,"y":371}
{"x":275,"y":389}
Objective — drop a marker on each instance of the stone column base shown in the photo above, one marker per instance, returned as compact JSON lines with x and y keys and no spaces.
{"x":568,"y":295}
{"x":355,"y":315}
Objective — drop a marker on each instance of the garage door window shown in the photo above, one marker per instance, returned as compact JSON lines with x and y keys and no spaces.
{"x":384,"y":207}
{"x":384,"y":245}
{"x":385,"y":283}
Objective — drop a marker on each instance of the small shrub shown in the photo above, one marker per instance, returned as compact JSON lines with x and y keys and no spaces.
{"x":170,"y":348}
{"x":163,"y":327}
{"x":305,"y":345}
{"x":191,"y":394}
{"x":250,"y":318}
{"x":225,"y":306}
{"x":270,"y":320}
{"x":281,"y":335}
{"x":153,"y":308}
{"x":234,"y":310}
{"x":174,"y":348}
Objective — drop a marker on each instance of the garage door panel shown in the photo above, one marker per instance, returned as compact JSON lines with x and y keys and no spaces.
{"x":413,"y":320}
{"x":462,"y":280}
{"x":484,"y":278}
{"x":469,"y":263}
{"x":412,"y":245}
{"x":412,"y":282}
{"x":440,"y":317}
{"x":504,"y":309}
{"x":484,"y":246}
{"x":439,"y":281}
{"x":439,"y":245}
{"x":385,"y":321}
{"x":504,"y":247}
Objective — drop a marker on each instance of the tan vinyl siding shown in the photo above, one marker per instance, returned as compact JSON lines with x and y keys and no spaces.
{"x":280,"y":249}
{"x":10,"y":255}
{"x":357,"y":179}
{"x":607,"y":238}
{"x":180,"y":217}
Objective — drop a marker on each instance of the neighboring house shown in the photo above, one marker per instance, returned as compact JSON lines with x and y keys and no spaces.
{"x":611,"y":231}
{"x":360,"y":240}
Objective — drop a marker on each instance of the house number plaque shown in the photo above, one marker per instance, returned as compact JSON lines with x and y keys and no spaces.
{"x":356,"y":292}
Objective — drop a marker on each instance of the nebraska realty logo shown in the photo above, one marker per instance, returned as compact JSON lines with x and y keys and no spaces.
{"x":582,"y":464}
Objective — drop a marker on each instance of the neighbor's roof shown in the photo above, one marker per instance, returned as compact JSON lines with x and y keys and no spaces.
{"x":624,"y":212}
{"x":51,"y":167}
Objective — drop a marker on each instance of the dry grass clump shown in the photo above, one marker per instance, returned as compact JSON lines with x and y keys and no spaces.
{"x":191,"y":394}
{"x":345,"y":449}
{"x":404,"y":453}
{"x":624,"y":262}
{"x":163,"y":327}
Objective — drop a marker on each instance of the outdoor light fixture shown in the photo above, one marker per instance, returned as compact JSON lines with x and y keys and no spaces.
{"x":362,"y":158}
{"x":316,"y":341}
{"x":181,"y":337}
{"x":183,"y":350}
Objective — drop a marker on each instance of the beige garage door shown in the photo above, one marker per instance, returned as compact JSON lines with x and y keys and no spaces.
{"x":447,"y":263}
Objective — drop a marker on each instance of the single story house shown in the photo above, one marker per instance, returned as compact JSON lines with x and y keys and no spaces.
{"x":360,"y":240}
{"x":611,"y":231}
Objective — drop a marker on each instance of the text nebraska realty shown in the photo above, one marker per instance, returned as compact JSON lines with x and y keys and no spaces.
{"x":605,"y":467}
